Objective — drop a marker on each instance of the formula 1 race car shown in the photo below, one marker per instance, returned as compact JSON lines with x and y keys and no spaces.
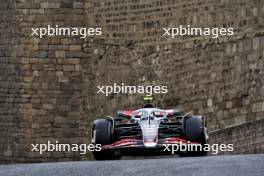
{"x":147,"y":131}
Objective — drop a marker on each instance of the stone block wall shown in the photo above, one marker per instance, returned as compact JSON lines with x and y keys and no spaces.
{"x":246,"y":137}
{"x":40,"y":81}
{"x":142,"y":21}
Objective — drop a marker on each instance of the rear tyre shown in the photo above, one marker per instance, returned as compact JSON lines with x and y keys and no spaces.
{"x":195,"y":131}
{"x":102,"y":134}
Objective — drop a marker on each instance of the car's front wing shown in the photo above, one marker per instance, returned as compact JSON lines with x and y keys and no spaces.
{"x":136,"y":143}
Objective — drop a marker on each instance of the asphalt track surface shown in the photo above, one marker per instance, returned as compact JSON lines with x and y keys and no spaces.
{"x":232,"y":165}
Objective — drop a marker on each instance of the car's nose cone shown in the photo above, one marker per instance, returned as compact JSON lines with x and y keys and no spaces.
{"x":150,"y":135}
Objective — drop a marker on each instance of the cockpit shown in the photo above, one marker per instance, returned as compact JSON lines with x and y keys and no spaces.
{"x":149,"y":114}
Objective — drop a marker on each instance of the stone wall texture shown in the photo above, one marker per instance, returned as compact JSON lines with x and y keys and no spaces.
{"x":246,"y":137}
{"x":48,"y":86}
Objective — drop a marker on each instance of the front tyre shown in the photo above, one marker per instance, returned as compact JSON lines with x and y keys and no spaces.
{"x":195,"y":131}
{"x":102,"y":134}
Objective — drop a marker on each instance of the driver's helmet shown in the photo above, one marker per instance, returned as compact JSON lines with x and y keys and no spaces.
{"x":147,"y":100}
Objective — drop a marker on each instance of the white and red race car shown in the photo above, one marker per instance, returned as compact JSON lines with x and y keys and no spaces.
{"x":147,"y":131}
